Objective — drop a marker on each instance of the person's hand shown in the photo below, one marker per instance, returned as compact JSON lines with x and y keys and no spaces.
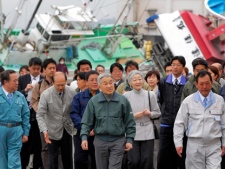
{"x":147,"y":113}
{"x":139,"y":115}
{"x":29,"y":86}
{"x":179,"y":151}
{"x":92,"y":133}
{"x":128,"y":146}
{"x":24,"y":139}
{"x":223,"y":150}
{"x":47,"y":138}
{"x":84,"y":145}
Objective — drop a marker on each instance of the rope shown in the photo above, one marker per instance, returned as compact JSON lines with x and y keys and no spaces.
{"x":144,"y":10}
{"x":26,"y":12}
{"x":109,"y":4}
{"x":99,"y":8}
{"x":97,"y":5}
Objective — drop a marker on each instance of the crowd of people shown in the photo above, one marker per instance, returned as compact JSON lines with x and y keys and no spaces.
{"x":121,"y":119}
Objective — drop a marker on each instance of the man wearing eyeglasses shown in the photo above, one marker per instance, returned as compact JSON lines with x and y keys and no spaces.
{"x":170,"y":88}
{"x":54,"y":120}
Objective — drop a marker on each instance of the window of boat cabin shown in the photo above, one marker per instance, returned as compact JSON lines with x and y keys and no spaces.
{"x":40,"y":29}
{"x":59,"y":37}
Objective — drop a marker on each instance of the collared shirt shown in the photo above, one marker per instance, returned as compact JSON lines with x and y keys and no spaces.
{"x":33,"y":82}
{"x":202,"y":97}
{"x":174,"y":78}
{"x":117,"y":82}
{"x":61,"y":94}
{"x":6,"y":93}
{"x":37,"y":78}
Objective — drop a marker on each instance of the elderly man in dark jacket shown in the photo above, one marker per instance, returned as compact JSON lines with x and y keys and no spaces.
{"x":110,"y":114}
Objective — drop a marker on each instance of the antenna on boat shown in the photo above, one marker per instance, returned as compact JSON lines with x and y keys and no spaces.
{"x":2,"y":22}
{"x":114,"y":41}
{"x":16,"y":16}
{"x":86,"y":3}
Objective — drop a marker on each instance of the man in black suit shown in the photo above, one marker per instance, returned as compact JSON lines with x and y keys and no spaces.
{"x":26,"y":84}
{"x":116,"y":70}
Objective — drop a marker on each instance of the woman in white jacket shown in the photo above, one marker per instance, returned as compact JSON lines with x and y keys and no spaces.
{"x":141,"y":156}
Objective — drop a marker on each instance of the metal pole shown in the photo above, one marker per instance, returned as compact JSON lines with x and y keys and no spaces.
{"x":1,"y":20}
{"x":33,"y":15}
{"x":15,"y":19}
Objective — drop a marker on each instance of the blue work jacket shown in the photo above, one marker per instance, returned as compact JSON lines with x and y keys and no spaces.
{"x":79,"y":104}
{"x":16,"y":112}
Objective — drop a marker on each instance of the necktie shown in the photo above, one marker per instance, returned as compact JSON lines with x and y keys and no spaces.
{"x":115,"y":85}
{"x":176,"y":86}
{"x":205,"y":102}
{"x":10,"y":97}
{"x":60,"y":94}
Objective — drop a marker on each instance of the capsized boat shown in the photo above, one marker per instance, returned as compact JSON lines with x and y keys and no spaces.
{"x":68,"y":32}
{"x":191,"y":36}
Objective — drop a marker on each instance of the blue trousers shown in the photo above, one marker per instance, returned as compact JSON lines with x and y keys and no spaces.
{"x":10,"y":147}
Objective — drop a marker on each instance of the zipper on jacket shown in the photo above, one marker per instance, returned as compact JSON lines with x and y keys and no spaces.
{"x":107,"y":120}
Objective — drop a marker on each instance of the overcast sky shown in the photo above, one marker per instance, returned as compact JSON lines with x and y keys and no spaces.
{"x":111,"y":8}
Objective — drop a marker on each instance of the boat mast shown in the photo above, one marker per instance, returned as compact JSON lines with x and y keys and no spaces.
{"x":33,"y":15}
{"x":114,"y":41}
{"x":16,"y":16}
{"x":1,"y":20}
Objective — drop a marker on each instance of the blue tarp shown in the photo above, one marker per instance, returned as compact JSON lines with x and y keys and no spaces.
{"x":217,"y":6}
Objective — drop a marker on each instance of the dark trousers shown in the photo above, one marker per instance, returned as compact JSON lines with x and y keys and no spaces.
{"x":141,"y":156}
{"x":65,"y":145}
{"x":45,"y":155}
{"x":109,"y":154}
{"x":32,"y":146}
{"x":223,"y":162}
{"x":167,"y":156}
{"x":81,"y":156}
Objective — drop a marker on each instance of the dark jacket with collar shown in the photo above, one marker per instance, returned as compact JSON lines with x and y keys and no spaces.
{"x":190,"y":88}
{"x":79,"y":104}
{"x":110,"y":119}
{"x":120,"y":82}
{"x":170,"y":102}
{"x":23,"y":82}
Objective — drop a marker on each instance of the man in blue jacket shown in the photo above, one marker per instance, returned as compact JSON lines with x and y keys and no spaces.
{"x":78,"y":106}
{"x":14,"y":121}
{"x":170,"y":88}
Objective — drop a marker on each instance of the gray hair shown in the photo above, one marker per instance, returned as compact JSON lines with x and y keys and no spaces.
{"x":102,"y":76}
{"x":132,"y":73}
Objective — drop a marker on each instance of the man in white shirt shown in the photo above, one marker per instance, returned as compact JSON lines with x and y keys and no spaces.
{"x":26,"y":84}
